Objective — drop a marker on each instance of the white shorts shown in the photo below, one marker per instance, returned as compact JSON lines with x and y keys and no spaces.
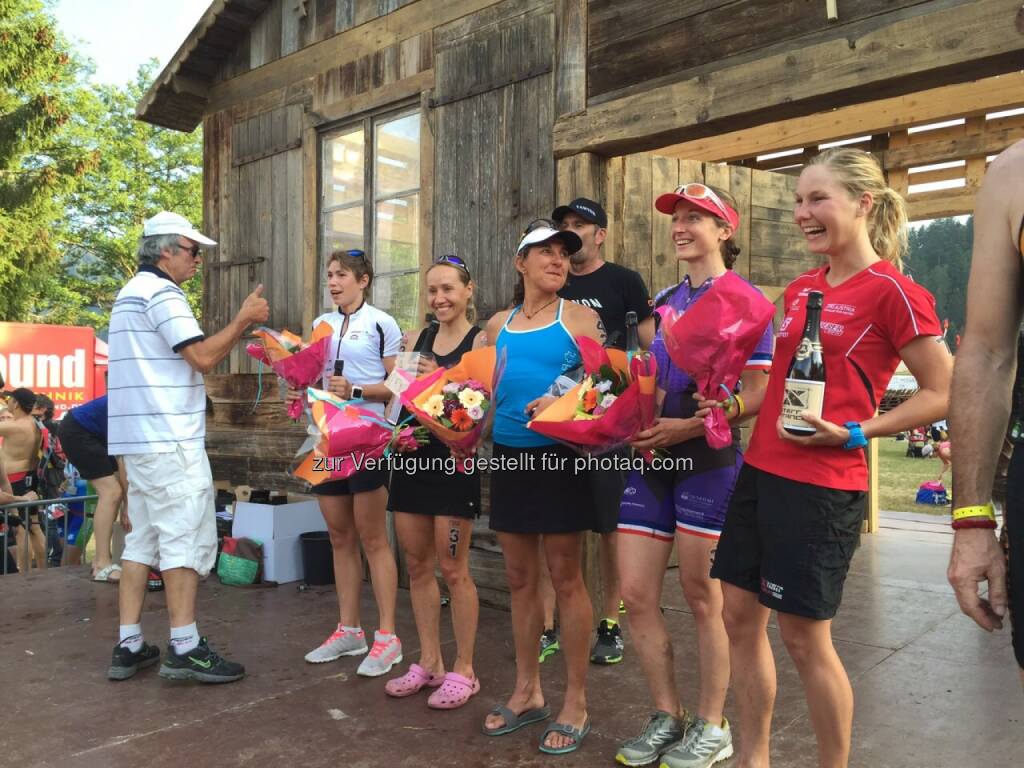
{"x":170,"y":506}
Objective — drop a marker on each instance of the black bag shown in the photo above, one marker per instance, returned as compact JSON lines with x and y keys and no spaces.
{"x":50,"y":477}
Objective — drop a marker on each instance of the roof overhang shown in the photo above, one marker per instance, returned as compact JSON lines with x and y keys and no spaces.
{"x":178,"y":97}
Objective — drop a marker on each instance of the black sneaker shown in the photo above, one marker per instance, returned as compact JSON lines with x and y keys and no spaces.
{"x":125,"y":663}
{"x":201,"y":663}
{"x":609,"y":645}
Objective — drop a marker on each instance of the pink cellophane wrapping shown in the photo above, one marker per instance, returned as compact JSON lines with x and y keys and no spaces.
{"x":713,"y":340}
{"x":300,"y":369}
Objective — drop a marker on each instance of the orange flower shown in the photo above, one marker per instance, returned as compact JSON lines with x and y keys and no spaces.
{"x":461,"y":420}
{"x":590,"y":400}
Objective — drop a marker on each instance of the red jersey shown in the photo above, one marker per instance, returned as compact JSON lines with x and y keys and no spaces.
{"x":865,"y":322}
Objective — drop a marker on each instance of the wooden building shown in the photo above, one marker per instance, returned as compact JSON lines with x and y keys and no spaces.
{"x":419,"y":127}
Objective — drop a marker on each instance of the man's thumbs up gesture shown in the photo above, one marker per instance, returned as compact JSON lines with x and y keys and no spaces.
{"x":255,"y":308}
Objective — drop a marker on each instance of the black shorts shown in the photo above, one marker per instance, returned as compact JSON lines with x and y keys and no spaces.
{"x":85,"y":450}
{"x":16,"y":517}
{"x":606,"y":487}
{"x":532,"y":495}
{"x":361,"y":482}
{"x":426,"y":482}
{"x":1013,"y":525}
{"x":789,"y":542}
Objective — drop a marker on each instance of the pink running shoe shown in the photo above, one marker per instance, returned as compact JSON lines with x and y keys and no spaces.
{"x":340,"y":643}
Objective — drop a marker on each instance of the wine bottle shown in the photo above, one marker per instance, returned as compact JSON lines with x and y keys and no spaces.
{"x":805,"y":380}
{"x":632,"y":336}
{"x":339,"y":367}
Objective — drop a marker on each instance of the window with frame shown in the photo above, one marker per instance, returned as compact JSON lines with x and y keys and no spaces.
{"x":370,"y":182}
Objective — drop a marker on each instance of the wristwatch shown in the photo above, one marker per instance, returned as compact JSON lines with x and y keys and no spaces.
{"x":857,"y":439}
{"x":356,"y":392}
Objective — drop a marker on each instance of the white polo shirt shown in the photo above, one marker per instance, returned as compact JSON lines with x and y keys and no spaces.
{"x":371,"y":336}
{"x":156,"y":400}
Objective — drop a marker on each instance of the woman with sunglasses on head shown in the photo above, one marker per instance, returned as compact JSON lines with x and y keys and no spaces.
{"x":363,"y":350}
{"x":796,"y":514}
{"x":684,"y":506}
{"x":538,"y":502}
{"x":435,"y":506}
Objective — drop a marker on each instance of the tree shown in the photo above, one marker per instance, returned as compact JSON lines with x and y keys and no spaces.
{"x":38,"y":88}
{"x":940,"y":259}
{"x":139,"y":169}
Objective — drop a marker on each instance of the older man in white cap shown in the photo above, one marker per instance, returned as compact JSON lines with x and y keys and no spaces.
{"x":157,"y":424}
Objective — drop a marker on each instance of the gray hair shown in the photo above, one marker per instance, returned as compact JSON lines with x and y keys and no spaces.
{"x":151,"y":248}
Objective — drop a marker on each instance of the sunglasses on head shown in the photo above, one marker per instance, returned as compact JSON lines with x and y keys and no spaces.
{"x":539,"y":223}
{"x":355,"y":253}
{"x":699,"y":191}
{"x":452,"y":259}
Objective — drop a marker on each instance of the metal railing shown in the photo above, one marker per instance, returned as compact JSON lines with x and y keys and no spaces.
{"x":26,"y":520}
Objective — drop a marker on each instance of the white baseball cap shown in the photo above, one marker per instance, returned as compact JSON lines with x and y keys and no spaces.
{"x":570,"y":240}
{"x":167,"y":223}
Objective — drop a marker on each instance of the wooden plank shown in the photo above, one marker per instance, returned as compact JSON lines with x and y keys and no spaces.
{"x":324,"y":12}
{"x":664,"y":264}
{"x":344,"y":15}
{"x":637,"y":213}
{"x":297,"y":286}
{"x":310,"y":226}
{"x":484,"y":21}
{"x":365,"y":10}
{"x":741,"y":184}
{"x":350,"y":45}
{"x":975,"y":168}
{"x":426,"y":195}
{"x":277,"y":272}
{"x":975,"y":97}
{"x":898,"y":177}
{"x":570,"y":57}
{"x":970,"y":145}
{"x":291,"y":28}
{"x":940,"y":204}
{"x":942,"y":47}
{"x":609,"y":18}
{"x":615,"y":192}
{"x":391,"y":93}
{"x":708,"y":35}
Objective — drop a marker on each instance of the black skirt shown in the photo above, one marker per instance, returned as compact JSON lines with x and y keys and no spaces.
{"x":426,"y":482}
{"x":539,"y":490}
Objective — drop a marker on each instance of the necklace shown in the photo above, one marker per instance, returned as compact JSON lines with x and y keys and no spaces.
{"x":536,"y":312}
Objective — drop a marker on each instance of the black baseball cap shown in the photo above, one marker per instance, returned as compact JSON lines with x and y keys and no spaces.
{"x":587,"y":209}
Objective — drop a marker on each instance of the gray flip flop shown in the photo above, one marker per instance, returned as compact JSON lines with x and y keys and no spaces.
{"x":514,"y":722}
{"x":566,"y":730}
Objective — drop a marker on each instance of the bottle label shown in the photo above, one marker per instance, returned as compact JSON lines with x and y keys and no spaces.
{"x":801,"y":395}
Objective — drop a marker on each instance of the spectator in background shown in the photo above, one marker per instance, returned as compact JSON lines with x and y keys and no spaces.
{"x":7,"y":496}
{"x":83,"y":436}
{"x":22,"y":441}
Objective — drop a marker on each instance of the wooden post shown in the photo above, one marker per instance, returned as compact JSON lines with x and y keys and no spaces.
{"x":871,"y":512}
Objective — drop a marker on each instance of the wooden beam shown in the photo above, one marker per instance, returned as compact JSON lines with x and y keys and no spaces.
{"x":351,"y":45}
{"x":570,"y":57}
{"x":939,"y":48}
{"x":189,"y":86}
{"x":373,"y":98}
{"x":941,"y":203}
{"x":988,"y":143}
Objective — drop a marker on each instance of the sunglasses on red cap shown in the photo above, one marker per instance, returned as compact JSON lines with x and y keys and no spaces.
{"x":707,"y":198}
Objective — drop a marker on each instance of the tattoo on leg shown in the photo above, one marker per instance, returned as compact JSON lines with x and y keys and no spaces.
{"x":453,"y":539}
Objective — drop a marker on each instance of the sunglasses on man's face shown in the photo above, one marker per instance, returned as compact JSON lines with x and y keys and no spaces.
{"x":194,"y":250}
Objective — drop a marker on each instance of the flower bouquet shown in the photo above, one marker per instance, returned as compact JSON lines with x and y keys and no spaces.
{"x":713,"y":340}
{"x":343,"y":439}
{"x":455,"y":403}
{"x":603,"y":412}
{"x":297,"y":362}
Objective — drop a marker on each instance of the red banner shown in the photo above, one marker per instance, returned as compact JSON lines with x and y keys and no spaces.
{"x":53,"y":360}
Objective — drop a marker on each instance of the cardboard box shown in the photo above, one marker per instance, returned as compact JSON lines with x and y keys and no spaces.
{"x":278,"y":527}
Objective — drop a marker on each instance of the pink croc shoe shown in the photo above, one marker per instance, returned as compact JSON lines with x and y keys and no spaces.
{"x":455,"y":691}
{"x":412,"y":682}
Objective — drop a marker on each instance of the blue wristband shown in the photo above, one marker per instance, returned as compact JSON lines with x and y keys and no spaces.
{"x":857,"y":439}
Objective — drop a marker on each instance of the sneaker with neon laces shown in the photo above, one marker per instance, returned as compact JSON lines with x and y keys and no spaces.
{"x":385,"y":653}
{"x":548,"y":644}
{"x":660,"y":732}
{"x":124,"y":662}
{"x":341,"y":643}
{"x":202,"y":663}
{"x":622,"y":607}
{"x":609,"y":644}
{"x":703,"y":746}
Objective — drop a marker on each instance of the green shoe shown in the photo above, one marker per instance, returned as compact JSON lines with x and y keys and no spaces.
{"x":704,"y":745}
{"x":660,"y":733}
{"x":549,"y":644}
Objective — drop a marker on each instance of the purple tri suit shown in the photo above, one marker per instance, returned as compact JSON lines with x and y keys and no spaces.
{"x":692,"y":494}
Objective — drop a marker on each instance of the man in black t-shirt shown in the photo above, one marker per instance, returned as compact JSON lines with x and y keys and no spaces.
{"x":612,"y":291}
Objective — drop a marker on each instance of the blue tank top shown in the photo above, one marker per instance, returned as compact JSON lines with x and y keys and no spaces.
{"x":535,"y":358}
{"x":92,"y":417}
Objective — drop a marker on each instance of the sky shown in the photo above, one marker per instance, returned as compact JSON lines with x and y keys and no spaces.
{"x":120,"y":35}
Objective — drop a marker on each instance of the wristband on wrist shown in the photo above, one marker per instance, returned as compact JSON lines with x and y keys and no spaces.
{"x":856,"y":438}
{"x":974,"y":522}
{"x":980,"y":510}
{"x":740,"y":407}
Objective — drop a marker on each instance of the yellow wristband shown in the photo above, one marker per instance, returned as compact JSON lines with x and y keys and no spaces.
{"x":739,"y":405}
{"x":983,"y":510}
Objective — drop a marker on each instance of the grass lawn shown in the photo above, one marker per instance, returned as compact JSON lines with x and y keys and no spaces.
{"x":900,"y":476}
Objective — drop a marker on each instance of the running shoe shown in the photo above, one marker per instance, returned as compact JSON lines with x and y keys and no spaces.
{"x":155,"y":581}
{"x":622,"y":606}
{"x":340,"y":643}
{"x":703,"y":746}
{"x":609,"y":644}
{"x":125,"y":663}
{"x":549,"y":644}
{"x":660,"y":733}
{"x":202,"y":663}
{"x":385,"y":653}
